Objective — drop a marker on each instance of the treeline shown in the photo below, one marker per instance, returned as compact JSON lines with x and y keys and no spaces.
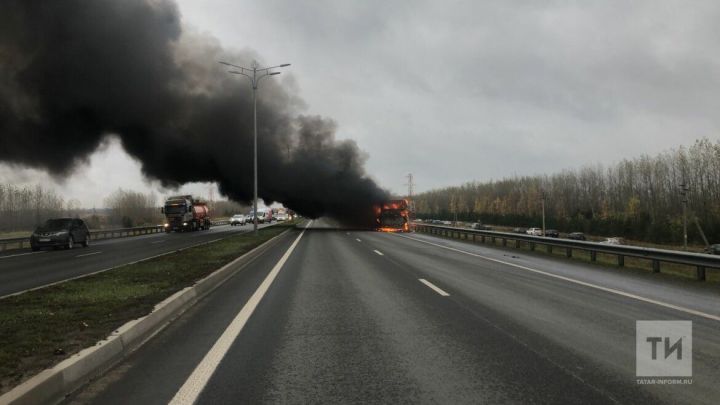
{"x":638,"y":199}
{"x":21,"y":208}
{"x":131,"y":208}
{"x":24,"y":208}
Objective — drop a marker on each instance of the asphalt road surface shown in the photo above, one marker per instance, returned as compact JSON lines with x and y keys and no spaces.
{"x":21,"y":270}
{"x":337,"y":316}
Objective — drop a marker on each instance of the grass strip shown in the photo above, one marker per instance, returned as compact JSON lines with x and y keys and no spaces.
{"x":40,"y":328}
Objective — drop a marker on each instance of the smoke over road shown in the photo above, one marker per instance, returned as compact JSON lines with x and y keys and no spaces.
{"x":73,"y":72}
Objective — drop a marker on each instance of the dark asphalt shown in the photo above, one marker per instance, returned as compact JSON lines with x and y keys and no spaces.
{"x":344,"y":324}
{"x":22,"y":269}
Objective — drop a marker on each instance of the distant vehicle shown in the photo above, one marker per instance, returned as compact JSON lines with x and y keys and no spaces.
{"x":552,"y":233}
{"x":520,"y":230}
{"x":446,"y":222}
{"x":419,"y":220}
{"x":238,"y":219}
{"x":614,"y":241}
{"x":393,"y":216}
{"x":264,"y":215}
{"x":576,"y":236}
{"x":185,"y":213}
{"x":534,"y":231}
{"x":713,"y":249}
{"x":60,"y":232}
{"x":281,"y":214}
{"x":481,"y":227}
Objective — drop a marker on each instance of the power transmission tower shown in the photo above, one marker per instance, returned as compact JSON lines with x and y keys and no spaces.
{"x":411,"y":188}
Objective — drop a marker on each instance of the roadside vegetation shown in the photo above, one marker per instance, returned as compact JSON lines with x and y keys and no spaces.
{"x":43,"y":327}
{"x":636,"y":199}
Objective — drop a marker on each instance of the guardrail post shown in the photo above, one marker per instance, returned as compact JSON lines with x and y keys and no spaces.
{"x":473,"y":238}
{"x":621,"y":260}
{"x":656,"y":266}
{"x":517,"y":243}
{"x":549,"y":248}
{"x":593,"y":256}
{"x":700,"y":273}
{"x":504,"y":242}
{"x":492,"y":239}
{"x":568,"y":252}
{"x":532,"y":246}
{"x":482,"y":238}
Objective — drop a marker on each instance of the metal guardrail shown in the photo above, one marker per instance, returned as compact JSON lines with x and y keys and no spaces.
{"x":656,"y":256}
{"x":24,"y":242}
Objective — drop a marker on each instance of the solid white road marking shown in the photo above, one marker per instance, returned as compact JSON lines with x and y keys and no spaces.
{"x":583,"y":283}
{"x":89,"y":254}
{"x":194,"y":385}
{"x":159,"y":241}
{"x":358,"y":240}
{"x":21,"y":254}
{"x":378,"y":252}
{"x":434,"y":287}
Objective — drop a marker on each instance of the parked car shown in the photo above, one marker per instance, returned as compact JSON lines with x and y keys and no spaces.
{"x":576,"y":236}
{"x":713,"y":249}
{"x":552,"y":233}
{"x":60,"y":232}
{"x":238,"y":219}
{"x":534,"y":231}
{"x":446,"y":222}
{"x":520,"y":230}
{"x":614,"y":241}
{"x":281,"y":216}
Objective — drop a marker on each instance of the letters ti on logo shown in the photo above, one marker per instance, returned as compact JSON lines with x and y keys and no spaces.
{"x":663,"y":348}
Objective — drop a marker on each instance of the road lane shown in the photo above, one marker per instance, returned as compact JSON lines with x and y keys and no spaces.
{"x":155,"y":372}
{"x":594,"y":327}
{"x":27,"y":270}
{"x":343,"y":324}
{"x":346,"y":325}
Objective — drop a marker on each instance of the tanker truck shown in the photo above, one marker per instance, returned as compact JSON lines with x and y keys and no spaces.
{"x":184,"y":213}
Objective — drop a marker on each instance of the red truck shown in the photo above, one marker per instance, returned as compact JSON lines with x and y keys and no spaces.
{"x":393,"y":216}
{"x":184,"y":213}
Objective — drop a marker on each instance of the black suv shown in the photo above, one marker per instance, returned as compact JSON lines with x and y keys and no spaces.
{"x":60,"y":232}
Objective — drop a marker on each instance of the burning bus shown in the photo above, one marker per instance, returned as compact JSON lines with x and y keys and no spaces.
{"x":393,"y":216}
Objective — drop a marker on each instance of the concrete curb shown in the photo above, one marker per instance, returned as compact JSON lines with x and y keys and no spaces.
{"x":52,"y":385}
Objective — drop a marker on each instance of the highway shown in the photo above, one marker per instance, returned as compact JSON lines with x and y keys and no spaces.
{"x":21,"y":270}
{"x":366,"y":317}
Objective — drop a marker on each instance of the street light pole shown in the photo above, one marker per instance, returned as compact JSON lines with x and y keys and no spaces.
{"x":684,"y":188}
{"x":543,"y":212}
{"x":254,"y":79}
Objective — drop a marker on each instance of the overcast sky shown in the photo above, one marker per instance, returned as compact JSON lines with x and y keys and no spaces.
{"x":461,"y":91}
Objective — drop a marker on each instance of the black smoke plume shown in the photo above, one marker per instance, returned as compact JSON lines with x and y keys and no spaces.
{"x":73,"y":72}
